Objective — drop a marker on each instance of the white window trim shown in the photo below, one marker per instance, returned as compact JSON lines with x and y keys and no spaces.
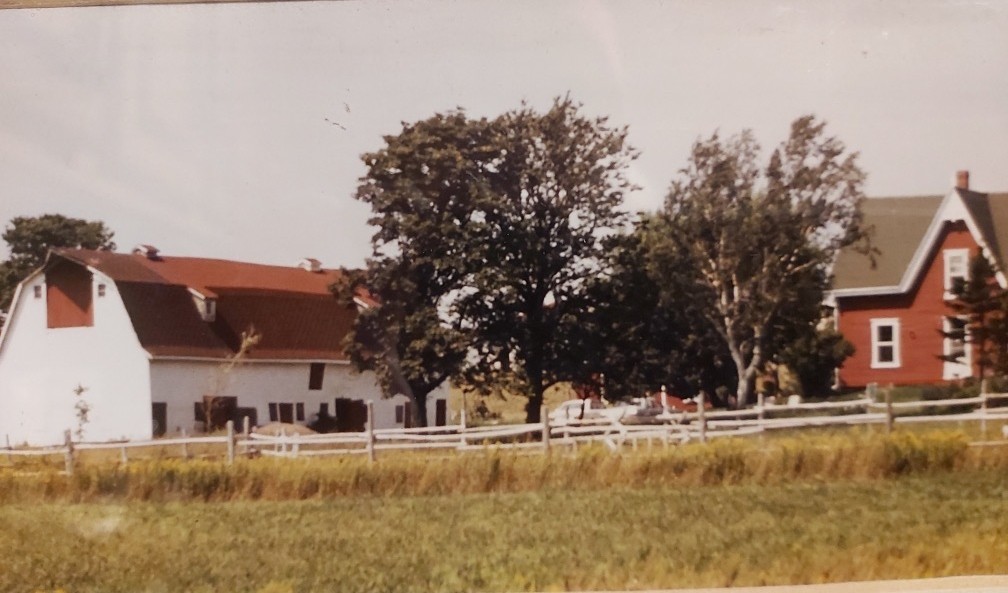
{"x":964,"y":368}
{"x":948,"y":254}
{"x":895,"y":363}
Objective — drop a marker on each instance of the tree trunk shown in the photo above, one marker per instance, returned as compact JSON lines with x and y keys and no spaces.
{"x":533,"y":407}
{"x":746,"y":386}
{"x":399,"y":384}
{"x":746,"y":378}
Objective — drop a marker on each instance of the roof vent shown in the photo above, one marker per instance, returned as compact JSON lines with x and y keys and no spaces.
{"x":148,"y":251}
{"x":310,"y":264}
{"x":962,"y":179}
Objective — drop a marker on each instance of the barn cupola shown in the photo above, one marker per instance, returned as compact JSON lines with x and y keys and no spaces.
{"x":205,"y":306}
{"x":310,"y":264}
{"x":148,"y":251}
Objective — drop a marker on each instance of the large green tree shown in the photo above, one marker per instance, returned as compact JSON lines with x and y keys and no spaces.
{"x":557,"y":186}
{"x":425,"y":188}
{"x":494,"y":227}
{"x":757,"y":240}
{"x":30,"y":238}
{"x":643,"y":330}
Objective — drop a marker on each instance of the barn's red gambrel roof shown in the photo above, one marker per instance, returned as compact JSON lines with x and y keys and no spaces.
{"x":293,"y":310}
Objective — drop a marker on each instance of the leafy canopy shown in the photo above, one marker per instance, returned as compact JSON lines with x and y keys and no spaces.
{"x":755,"y":242}
{"x":488,"y":231}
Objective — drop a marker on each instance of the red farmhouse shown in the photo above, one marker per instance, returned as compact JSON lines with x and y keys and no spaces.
{"x":895,"y":311}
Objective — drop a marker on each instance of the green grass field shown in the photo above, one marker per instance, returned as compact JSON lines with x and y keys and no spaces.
{"x":549,"y":540}
{"x":809,"y":509}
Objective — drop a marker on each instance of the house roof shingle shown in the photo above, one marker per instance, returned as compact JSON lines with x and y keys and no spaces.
{"x":899,"y":225}
{"x":293,"y":310}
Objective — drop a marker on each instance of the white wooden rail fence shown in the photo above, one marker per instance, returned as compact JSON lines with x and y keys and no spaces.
{"x":665,"y":428}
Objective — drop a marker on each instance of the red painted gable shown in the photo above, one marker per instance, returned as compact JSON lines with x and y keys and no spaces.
{"x":920,"y":311}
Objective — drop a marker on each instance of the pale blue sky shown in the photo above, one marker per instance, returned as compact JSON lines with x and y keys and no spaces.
{"x":207,"y":129}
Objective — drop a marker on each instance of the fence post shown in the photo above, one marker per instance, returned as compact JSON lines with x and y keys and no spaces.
{"x":246,"y":428}
{"x":369,"y":431}
{"x":701,"y":397}
{"x":123,"y":458}
{"x":871,"y":392}
{"x":462,"y":428}
{"x":68,"y":456}
{"x":296,"y":447}
{"x":544,"y":413}
{"x":9,"y":458}
{"x":760,"y":400}
{"x":888,"y":411}
{"x":664,"y":399}
{"x":185,"y":445}
{"x":983,"y":408}
{"x":230,"y":441}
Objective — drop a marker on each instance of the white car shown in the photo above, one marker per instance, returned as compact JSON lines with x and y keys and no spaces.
{"x":577,"y":410}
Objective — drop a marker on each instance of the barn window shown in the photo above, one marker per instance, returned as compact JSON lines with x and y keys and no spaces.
{"x":885,"y":343}
{"x":315,"y":374}
{"x":38,"y":291}
{"x":400,"y":413}
{"x":299,"y":411}
{"x":273,"y":413}
{"x":956,"y":268}
{"x":101,"y":290}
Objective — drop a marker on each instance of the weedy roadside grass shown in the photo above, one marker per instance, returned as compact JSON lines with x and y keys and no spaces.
{"x":830,"y":456}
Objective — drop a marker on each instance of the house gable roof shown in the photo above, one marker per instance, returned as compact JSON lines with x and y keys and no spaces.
{"x":905,"y":232}
{"x":898,"y":226}
{"x":293,"y":310}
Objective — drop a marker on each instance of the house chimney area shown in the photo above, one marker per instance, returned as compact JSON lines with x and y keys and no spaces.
{"x":962,"y":179}
{"x":310,"y":264}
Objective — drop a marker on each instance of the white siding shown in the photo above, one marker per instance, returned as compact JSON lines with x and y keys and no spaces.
{"x":182,"y":383}
{"x":41,"y":367}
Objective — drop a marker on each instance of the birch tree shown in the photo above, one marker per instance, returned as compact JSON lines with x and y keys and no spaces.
{"x":757,"y":241}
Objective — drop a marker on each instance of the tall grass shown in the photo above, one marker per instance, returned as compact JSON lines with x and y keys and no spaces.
{"x":774,"y":461}
{"x":616,"y":538}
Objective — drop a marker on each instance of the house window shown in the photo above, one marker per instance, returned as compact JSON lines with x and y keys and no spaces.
{"x":38,"y":291}
{"x":958,"y":359}
{"x":315,"y":374}
{"x":885,"y":343}
{"x":956,"y":268}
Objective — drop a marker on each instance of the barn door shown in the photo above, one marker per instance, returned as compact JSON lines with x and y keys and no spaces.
{"x":159,"y":418}
{"x":440,"y":412}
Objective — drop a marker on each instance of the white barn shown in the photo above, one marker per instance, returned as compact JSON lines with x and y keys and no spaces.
{"x":154,"y":341}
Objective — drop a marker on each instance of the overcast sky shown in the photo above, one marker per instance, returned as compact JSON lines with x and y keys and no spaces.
{"x":235,"y":130}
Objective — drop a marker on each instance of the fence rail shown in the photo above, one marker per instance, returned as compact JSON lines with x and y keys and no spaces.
{"x":666,"y":428}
